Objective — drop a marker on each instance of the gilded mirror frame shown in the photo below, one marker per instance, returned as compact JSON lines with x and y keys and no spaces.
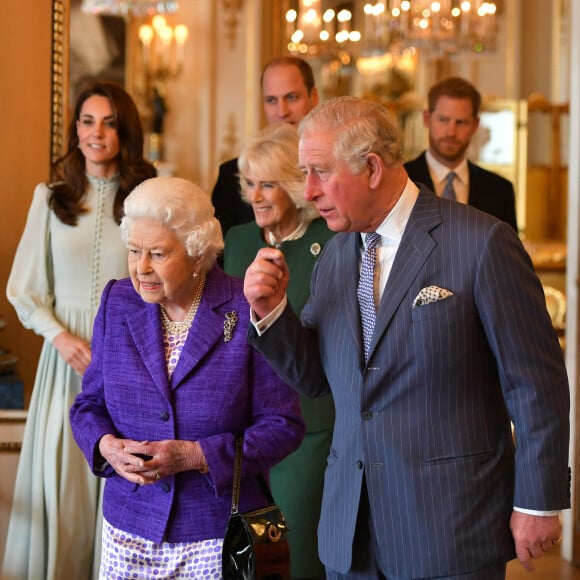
{"x":59,"y":89}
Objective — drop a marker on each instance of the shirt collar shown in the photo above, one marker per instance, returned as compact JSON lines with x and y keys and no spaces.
{"x":393,"y":226}
{"x":439,"y":172}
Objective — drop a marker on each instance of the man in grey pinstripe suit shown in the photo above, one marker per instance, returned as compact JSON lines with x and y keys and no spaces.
{"x":423,"y":478}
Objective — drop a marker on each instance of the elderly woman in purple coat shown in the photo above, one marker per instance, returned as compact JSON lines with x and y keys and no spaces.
{"x":171,"y":384}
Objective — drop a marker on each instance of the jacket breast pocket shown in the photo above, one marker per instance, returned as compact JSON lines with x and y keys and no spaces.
{"x":433,"y":310}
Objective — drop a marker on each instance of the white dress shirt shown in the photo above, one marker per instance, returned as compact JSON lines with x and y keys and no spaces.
{"x":438,"y":173}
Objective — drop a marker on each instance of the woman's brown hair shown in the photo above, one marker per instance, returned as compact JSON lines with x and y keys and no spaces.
{"x":69,"y":181}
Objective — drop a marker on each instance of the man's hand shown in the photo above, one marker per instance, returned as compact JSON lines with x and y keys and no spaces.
{"x":534,"y":535}
{"x":266,"y":281}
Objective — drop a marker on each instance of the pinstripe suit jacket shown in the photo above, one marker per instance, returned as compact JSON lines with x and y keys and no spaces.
{"x":488,"y":191}
{"x":427,"y":420}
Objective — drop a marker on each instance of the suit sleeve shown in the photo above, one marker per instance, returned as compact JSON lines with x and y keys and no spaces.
{"x":291,"y":346}
{"x":506,"y":203}
{"x":492,"y":194}
{"x":512,"y":308}
{"x":510,"y":209}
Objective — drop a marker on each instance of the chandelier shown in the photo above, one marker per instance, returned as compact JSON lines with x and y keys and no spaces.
{"x":314,"y":32}
{"x":129,"y":7}
{"x":435,"y":27}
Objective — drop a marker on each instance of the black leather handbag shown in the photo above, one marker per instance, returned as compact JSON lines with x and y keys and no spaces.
{"x":255,"y":543}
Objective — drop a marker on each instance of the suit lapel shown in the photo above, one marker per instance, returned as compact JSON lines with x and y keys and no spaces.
{"x":416,"y":246}
{"x":345,"y":267}
{"x":145,"y":327}
{"x":208,"y":325}
{"x":420,"y":170}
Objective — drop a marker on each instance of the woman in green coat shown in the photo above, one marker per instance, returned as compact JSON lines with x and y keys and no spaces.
{"x":273,"y":184}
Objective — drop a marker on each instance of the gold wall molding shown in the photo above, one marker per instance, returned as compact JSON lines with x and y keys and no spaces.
{"x":230,"y":139}
{"x":59,"y":74}
{"x":10,"y":446}
{"x":11,"y":427}
{"x":232,"y":9}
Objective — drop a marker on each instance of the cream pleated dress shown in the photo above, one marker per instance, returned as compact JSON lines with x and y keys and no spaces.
{"x":55,"y":284}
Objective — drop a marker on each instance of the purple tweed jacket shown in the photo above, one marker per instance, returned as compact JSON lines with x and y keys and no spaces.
{"x":218,"y":390}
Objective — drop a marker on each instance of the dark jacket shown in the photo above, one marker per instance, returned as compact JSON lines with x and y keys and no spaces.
{"x":230,"y":209}
{"x":488,"y":191}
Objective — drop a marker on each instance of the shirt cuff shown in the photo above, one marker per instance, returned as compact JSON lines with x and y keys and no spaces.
{"x":262,"y":325}
{"x":538,"y":512}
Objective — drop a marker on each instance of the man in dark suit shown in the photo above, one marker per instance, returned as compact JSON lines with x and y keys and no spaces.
{"x":288,"y":93}
{"x":452,"y":118}
{"x":429,"y":357}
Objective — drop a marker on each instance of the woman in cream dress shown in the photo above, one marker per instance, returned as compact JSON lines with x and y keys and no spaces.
{"x":70,"y":248}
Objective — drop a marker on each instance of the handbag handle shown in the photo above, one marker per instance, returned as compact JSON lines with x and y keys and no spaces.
{"x":238,"y":479}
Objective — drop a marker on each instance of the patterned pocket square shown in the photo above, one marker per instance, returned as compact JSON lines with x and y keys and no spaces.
{"x":431,"y":294}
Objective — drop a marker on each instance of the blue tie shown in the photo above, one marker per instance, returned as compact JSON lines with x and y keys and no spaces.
{"x":449,"y":191}
{"x":365,"y":291}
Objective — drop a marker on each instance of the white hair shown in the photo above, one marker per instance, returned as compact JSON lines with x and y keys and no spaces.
{"x":182,"y":207}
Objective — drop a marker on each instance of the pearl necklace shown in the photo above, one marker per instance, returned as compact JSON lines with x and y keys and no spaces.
{"x":180,"y":327}
{"x":297,"y":233}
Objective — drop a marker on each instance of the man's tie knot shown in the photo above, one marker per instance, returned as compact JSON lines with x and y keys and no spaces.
{"x":449,"y":190}
{"x":371,"y":241}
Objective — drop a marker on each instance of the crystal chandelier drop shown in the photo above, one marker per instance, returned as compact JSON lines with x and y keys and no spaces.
{"x":314,"y":32}
{"x":129,"y":7}
{"x":435,"y":27}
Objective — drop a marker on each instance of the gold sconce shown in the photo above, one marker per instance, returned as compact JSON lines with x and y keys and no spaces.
{"x":162,"y":48}
{"x":162,"y":58}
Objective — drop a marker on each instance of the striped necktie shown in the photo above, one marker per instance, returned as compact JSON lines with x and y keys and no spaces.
{"x":449,"y":191}
{"x":365,"y":291}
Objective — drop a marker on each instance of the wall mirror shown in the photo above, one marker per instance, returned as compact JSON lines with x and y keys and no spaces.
{"x":84,"y":46}
{"x":88,"y":46}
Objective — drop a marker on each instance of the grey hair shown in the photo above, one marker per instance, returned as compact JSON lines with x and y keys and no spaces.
{"x":182,"y":207}
{"x":272,"y":155}
{"x":365,"y":127}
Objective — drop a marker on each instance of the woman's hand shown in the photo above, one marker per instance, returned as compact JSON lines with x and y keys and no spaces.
{"x":145,"y":462}
{"x":128,"y":465}
{"x":74,"y":350}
